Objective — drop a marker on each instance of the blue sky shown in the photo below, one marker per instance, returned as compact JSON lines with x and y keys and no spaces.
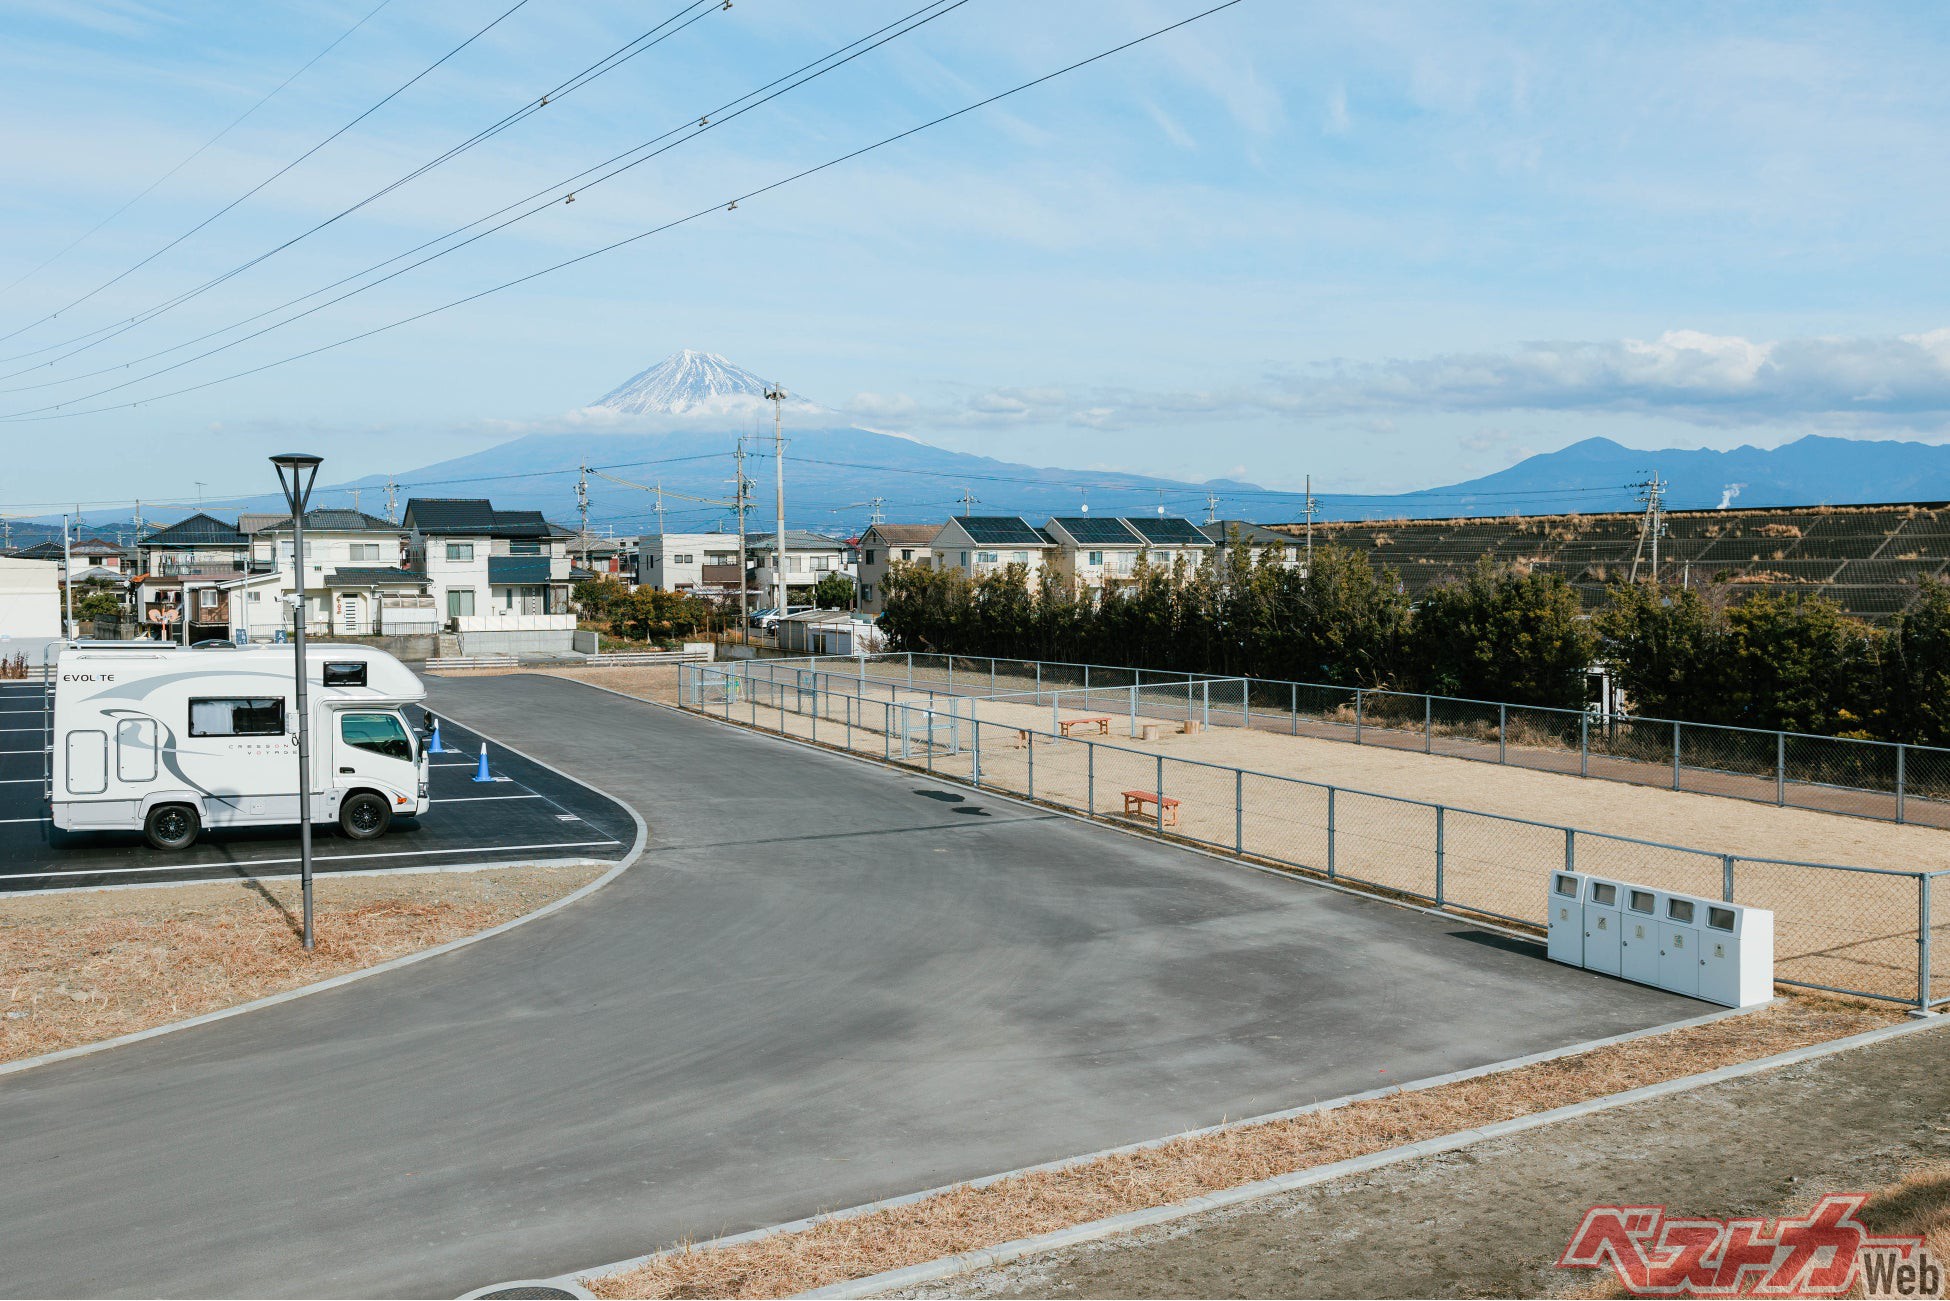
{"x":1388,"y":245}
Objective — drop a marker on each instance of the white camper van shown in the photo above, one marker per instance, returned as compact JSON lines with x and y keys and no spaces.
{"x":170,"y":739}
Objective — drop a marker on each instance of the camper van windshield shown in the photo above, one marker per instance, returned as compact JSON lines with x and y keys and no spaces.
{"x":252,"y":716}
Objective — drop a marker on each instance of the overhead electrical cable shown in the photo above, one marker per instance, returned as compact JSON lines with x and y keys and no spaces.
{"x":197,"y":153}
{"x":690,"y":129}
{"x":672,"y":224}
{"x":555,"y":94}
{"x":389,"y":97}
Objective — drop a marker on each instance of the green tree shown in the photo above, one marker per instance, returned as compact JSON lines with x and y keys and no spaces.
{"x":1667,"y":649}
{"x":833,"y":592}
{"x":601,"y":598}
{"x":96,"y":603}
{"x":1798,"y":664}
{"x":1916,"y":669}
{"x":1503,"y":634}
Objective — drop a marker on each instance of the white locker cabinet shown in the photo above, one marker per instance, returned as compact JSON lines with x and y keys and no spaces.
{"x":1564,"y":934}
{"x":1638,"y":957}
{"x":1736,"y":959}
{"x":1679,"y":947}
{"x":1601,"y":900}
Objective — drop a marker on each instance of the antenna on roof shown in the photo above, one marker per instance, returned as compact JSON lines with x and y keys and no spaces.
{"x":1086,"y":500}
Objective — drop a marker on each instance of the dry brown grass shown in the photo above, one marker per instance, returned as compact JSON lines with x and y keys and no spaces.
{"x":83,"y":967}
{"x":656,"y":682}
{"x":964,"y":1217}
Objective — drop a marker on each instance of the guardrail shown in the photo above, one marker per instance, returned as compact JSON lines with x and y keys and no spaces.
{"x":622,"y":659}
{"x":1864,"y":931}
{"x":437,"y":662}
{"x":1885,"y":780}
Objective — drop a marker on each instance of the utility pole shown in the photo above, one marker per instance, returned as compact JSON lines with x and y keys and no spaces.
{"x":968,"y":501}
{"x":660,"y":508}
{"x":392,"y":501}
{"x":1651,"y":491}
{"x":1211,"y":508}
{"x":739,"y":499}
{"x":875,"y":515}
{"x":775,"y":394}
{"x":1310,"y":524}
{"x":138,"y":519}
{"x":67,"y":570}
{"x":355,"y":498}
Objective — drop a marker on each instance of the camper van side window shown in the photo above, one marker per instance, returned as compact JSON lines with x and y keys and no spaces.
{"x":379,"y":733}
{"x":345,"y":673}
{"x":251,"y":716}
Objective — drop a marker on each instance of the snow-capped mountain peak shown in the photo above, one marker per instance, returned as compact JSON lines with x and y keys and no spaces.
{"x":684,"y":383}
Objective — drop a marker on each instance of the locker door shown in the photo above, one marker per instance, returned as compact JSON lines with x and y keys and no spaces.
{"x":1601,"y":952}
{"x":1639,"y":945}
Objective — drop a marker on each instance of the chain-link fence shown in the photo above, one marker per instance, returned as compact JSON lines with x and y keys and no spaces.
{"x":1873,"y":779}
{"x":1855,"y":930}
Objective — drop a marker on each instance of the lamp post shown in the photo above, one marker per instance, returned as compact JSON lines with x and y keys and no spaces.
{"x":297,"y":472}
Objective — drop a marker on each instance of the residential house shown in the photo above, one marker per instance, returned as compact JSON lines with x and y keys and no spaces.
{"x":187,"y":566}
{"x":809,"y":557}
{"x":600,"y":557}
{"x":881,"y":548}
{"x":357,"y":579}
{"x":1099,"y":551}
{"x":1279,"y":548}
{"x":979,"y":545}
{"x":480,"y":562}
{"x":95,"y":561}
{"x":705,"y":564}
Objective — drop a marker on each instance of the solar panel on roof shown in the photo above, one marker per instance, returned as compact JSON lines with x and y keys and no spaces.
{"x":1100,"y":531}
{"x":999,"y":531}
{"x":1167,"y":531}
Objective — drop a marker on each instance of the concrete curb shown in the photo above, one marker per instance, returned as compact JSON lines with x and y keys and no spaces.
{"x":1095,"y":1230}
{"x":391,"y":964}
{"x":1069,"y":1162}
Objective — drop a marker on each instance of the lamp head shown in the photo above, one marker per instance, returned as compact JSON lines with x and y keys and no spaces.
{"x":297,"y":471}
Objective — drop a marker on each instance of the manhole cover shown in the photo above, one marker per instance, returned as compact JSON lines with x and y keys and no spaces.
{"x":527,"y":1290}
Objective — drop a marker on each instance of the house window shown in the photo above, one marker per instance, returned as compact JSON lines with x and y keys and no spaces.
{"x":1096,"y":558}
{"x":237,"y":716}
{"x":792,"y":564}
{"x":964,"y":558}
{"x":364,"y":551}
{"x":683,"y":560}
{"x":525,"y":549}
{"x":866,"y":557}
{"x":985,"y":557}
{"x":460,"y":602}
{"x":907,"y":554}
{"x":460,"y":551}
{"x":866,"y":591}
{"x":820,"y":564}
{"x":1020,"y":557}
{"x":207,"y":598}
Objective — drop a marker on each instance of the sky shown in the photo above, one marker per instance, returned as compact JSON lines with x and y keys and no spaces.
{"x":1385,"y":245}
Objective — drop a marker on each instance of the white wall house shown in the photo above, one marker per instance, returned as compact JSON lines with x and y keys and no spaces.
{"x":1099,"y":551}
{"x":881,"y":548}
{"x":30,"y":603}
{"x":979,"y":545}
{"x":704,"y":563}
{"x":809,"y":557}
{"x":357,"y":580}
{"x":484,"y":563}
{"x":1279,"y":548}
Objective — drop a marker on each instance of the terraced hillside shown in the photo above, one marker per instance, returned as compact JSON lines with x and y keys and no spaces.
{"x":1869,"y":559}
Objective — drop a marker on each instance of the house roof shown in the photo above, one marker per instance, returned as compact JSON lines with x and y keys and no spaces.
{"x":518,"y":569}
{"x":251,"y":521}
{"x":1096,"y":530}
{"x":1223,"y":531}
{"x":378,"y":576}
{"x":1167,"y":530}
{"x":476,"y":517}
{"x":199,"y":530}
{"x":905,"y":535}
{"x":1000,"y":531}
{"x":330,"y":519}
{"x":795,"y":540}
{"x":49,"y":550}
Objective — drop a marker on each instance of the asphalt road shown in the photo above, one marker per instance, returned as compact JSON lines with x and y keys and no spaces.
{"x":823,"y":983}
{"x":526,"y":813}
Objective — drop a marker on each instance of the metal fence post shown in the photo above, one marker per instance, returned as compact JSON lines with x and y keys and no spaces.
{"x":887,"y":730}
{"x":1039,"y":678}
{"x":951,"y":675}
{"x":1205,"y":703}
{"x":1780,"y":768}
{"x":1438,"y":855}
{"x":1502,"y":733}
{"x":1357,"y":715}
{"x":1675,"y":754}
{"x":1134,"y":710}
{"x":1330,"y":833}
{"x":1726,"y":877}
{"x":1570,"y":849}
{"x":1239,"y":810}
{"x":1428,"y":724}
{"x":1923,"y":942}
{"x":975,"y":725}
{"x":1032,"y":764}
{"x":815,"y":717}
{"x":1584,"y":745}
{"x":991,"y":675}
{"x":846,"y":703}
{"x":1900,"y":748}
{"x":910,"y":670}
{"x":1090,"y":780}
{"x":1246,"y":702}
{"x":1295,"y":707}
{"x":1161,"y":795}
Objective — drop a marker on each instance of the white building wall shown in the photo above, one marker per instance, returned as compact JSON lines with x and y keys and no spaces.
{"x":30,"y":600}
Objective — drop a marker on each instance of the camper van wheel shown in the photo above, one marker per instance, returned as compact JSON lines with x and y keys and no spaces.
{"x":364,"y":816}
{"x":171,"y":826}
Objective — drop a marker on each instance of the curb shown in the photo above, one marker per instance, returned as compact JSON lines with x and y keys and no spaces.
{"x":391,"y":964}
{"x":1095,"y":1230}
{"x":1068,"y":1162}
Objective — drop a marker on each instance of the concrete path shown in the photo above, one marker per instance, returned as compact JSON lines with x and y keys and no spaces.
{"x":824,"y":983}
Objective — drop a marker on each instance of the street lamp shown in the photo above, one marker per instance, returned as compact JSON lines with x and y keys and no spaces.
{"x":297,"y":472}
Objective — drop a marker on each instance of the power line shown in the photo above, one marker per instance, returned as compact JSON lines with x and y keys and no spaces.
{"x":390,"y":96}
{"x":197,"y":153}
{"x":654,"y":230}
{"x":694,"y":126}
{"x":607,"y":64}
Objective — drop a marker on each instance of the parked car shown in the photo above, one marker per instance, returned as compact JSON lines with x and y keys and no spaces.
{"x":768,"y":620}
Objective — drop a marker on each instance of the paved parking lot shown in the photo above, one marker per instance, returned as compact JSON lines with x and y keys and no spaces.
{"x":527,"y":813}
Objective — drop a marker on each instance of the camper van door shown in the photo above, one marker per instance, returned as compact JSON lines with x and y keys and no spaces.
{"x":374,"y":748}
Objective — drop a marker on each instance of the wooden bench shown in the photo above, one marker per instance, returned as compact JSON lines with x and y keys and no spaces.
{"x":1134,"y":802}
{"x":1099,"y":721}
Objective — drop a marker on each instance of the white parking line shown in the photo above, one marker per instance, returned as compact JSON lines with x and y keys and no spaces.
{"x":318,"y":858}
{"x":18,"y":781}
{"x":476,"y":799}
{"x":4,"y":822}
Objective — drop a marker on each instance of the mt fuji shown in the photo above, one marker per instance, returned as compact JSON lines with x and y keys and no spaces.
{"x":686,"y":383}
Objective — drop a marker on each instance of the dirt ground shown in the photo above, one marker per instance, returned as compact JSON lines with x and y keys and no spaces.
{"x":83,"y":966}
{"x":1490,"y":1220}
{"x":656,"y":682}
